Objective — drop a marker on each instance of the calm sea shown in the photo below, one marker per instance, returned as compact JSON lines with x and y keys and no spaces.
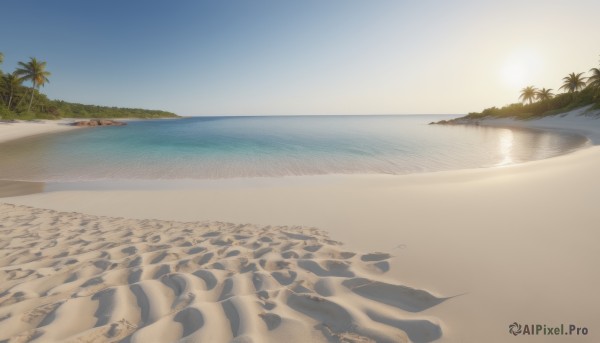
{"x":226,"y":147}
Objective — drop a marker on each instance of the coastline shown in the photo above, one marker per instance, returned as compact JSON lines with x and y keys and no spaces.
{"x":11,"y":130}
{"x":21,"y":129}
{"x":516,"y":243}
{"x":12,"y":188}
{"x":583,"y":121}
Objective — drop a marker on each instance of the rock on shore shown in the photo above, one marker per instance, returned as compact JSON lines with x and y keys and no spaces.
{"x":99,"y":122}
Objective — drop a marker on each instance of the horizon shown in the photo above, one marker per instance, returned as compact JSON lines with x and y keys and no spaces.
{"x":318,"y":115}
{"x":303,"y":58}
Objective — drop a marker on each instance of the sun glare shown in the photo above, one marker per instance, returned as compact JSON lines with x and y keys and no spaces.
{"x":519,"y":69}
{"x":505,"y":146}
{"x":514,"y":75}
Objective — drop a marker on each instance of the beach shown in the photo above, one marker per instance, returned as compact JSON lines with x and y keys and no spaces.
{"x":451,"y":256}
{"x":10,"y":130}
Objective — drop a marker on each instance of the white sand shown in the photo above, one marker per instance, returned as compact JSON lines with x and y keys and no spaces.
{"x":517,"y":243}
{"x":19,"y":129}
{"x":87,"y":278}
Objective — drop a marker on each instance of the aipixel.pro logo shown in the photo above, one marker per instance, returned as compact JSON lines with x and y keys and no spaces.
{"x":516,"y":329}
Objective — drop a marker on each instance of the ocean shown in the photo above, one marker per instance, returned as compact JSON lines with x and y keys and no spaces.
{"x":267,"y":146}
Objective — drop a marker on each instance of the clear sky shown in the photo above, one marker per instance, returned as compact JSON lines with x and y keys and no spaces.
{"x":226,"y":57}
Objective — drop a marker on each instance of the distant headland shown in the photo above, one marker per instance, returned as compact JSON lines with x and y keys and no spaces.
{"x":578,"y":91}
{"x":17,"y":101}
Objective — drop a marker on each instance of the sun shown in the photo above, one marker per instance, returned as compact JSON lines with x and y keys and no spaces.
{"x":514,"y":75}
{"x":519,"y":69}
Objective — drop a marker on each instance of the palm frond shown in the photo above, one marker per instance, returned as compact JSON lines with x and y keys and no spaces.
{"x":594,"y":80}
{"x":544,"y":94}
{"x":528,"y":94}
{"x":573,"y":82}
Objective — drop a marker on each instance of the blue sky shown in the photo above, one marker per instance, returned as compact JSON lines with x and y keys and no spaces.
{"x":301,"y":57}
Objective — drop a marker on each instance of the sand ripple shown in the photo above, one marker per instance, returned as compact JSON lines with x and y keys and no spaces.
{"x":81,"y":278}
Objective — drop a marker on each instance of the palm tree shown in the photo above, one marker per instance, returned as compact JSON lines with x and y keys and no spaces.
{"x":544,"y":94}
{"x":573,"y":82}
{"x":528,"y":94}
{"x":594,"y":80}
{"x":11,"y":82}
{"x":34,"y":71}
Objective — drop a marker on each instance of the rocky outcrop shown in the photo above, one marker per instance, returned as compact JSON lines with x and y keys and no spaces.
{"x":99,"y":122}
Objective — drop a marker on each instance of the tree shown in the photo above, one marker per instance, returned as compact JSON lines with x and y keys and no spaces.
{"x":544,"y":94}
{"x":528,"y":94}
{"x":573,"y":82}
{"x":594,"y":80}
{"x":11,"y":83}
{"x":35,"y":72}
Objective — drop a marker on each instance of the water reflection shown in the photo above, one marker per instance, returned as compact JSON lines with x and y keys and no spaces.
{"x":505,"y":147}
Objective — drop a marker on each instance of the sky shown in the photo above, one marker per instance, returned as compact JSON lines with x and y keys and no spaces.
{"x":255,"y":57}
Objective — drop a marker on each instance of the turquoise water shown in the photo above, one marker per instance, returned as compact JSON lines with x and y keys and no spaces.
{"x":226,"y":147}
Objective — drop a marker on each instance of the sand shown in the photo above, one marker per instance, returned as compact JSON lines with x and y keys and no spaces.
{"x":11,"y":130}
{"x":14,"y":188}
{"x":18,"y":129}
{"x":461,"y":254}
{"x":69,"y":276}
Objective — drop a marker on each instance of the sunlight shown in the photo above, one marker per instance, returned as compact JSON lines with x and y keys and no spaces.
{"x":519,"y":69}
{"x":505,"y":147}
{"x":514,"y":75}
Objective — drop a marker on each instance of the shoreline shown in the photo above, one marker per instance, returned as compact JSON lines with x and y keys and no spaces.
{"x":575,"y":121}
{"x":467,"y":247}
{"x":12,"y":130}
{"x":27,"y":129}
{"x":21,"y":129}
{"x":12,"y":188}
{"x":517,"y":243}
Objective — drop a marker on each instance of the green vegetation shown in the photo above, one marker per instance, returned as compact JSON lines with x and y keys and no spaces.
{"x":594,"y":80}
{"x":35,"y":72}
{"x":578,"y":91}
{"x":20,"y":102}
{"x":528,"y":94}
{"x":544,"y":94}
{"x":573,"y":82}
